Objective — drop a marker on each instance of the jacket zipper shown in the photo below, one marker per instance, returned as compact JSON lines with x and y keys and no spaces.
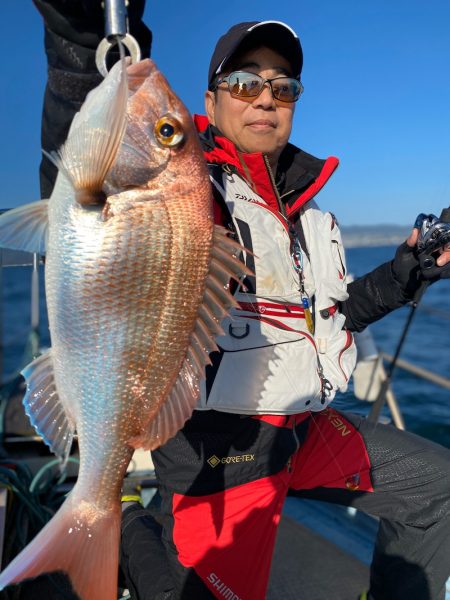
{"x":296,"y":251}
{"x":274,"y":186}
{"x":326,"y":386}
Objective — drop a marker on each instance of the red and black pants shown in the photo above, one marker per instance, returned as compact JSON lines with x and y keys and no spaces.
{"x":223,"y":480}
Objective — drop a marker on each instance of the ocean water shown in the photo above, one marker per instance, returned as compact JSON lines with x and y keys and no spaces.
{"x":425,"y":406}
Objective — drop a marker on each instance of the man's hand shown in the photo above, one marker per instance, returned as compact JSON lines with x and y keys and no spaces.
{"x":442,"y":260}
{"x":406,"y":267}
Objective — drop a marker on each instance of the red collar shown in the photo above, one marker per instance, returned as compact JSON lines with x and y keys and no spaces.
{"x":254,"y":169}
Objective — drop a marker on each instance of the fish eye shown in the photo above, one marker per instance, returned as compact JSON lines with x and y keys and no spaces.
{"x":169,"y":132}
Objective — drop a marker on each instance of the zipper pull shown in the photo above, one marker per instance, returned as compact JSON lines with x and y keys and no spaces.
{"x":297,"y":254}
{"x":308,"y":315}
{"x":326,"y":390}
{"x":327,"y":387}
{"x":297,"y":257}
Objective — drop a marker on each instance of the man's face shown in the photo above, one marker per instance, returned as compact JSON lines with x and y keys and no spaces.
{"x":260,"y":124}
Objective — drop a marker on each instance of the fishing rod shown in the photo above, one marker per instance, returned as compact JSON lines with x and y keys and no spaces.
{"x":116,"y":30}
{"x":434,"y":234}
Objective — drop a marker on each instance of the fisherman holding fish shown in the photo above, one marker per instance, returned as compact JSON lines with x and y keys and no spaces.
{"x":262,"y":426}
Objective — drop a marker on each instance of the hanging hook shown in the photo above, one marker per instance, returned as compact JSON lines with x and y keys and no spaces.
{"x":116,"y":30}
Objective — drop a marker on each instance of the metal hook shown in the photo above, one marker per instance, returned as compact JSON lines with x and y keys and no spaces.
{"x":116,"y":30}
{"x":105,"y":46}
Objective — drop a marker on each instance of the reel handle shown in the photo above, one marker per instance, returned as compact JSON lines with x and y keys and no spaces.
{"x":427,"y":261}
{"x":445,"y":215}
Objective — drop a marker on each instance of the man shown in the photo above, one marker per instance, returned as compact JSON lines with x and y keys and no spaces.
{"x":262,"y":427}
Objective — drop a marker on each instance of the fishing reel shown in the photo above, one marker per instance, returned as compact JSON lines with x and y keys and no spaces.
{"x":434,"y":235}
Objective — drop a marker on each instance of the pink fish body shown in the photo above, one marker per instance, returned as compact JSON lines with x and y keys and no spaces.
{"x":137,"y":284}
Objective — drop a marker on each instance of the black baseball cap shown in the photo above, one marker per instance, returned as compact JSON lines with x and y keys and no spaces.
{"x":273,"y":34}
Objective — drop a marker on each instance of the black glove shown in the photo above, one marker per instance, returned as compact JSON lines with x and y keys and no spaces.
{"x":407,"y":271}
{"x":82,"y":21}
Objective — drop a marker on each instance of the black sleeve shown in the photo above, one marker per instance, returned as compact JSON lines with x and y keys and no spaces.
{"x":73,"y":30}
{"x":371,"y":297}
{"x":143,"y":558}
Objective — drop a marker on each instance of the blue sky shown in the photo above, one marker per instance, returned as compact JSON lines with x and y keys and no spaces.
{"x":377,"y":93}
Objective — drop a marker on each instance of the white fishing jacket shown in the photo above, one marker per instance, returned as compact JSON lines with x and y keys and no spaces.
{"x":269,"y":361}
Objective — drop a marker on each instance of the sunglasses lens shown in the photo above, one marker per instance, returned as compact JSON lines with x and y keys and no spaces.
{"x":249,"y":85}
{"x":245,"y":85}
{"x":286,"y":89}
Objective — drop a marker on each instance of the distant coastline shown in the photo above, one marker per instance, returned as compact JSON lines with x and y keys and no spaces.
{"x":353,"y":236}
{"x":361,"y":236}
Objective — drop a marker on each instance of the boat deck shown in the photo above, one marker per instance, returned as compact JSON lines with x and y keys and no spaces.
{"x":322,"y":552}
{"x":306,"y":566}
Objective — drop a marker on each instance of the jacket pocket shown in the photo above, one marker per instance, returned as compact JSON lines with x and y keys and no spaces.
{"x":339,"y":359}
{"x":258,"y":375}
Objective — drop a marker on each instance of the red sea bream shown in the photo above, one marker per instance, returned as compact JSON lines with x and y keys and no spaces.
{"x":136,"y":284}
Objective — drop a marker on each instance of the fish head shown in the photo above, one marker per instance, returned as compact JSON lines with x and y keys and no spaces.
{"x":160,"y":147}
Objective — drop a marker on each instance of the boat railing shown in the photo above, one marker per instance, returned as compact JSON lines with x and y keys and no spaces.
{"x":369,"y":377}
{"x":371,"y":382}
{"x":17,"y":258}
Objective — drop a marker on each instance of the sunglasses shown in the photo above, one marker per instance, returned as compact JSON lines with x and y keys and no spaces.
{"x":249,"y":85}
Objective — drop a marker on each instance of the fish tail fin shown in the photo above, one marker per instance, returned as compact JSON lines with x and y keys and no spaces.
{"x":79,"y":541}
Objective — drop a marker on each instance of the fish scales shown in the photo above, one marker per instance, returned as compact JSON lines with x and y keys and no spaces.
{"x":137,"y":365}
{"x":135,"y":294}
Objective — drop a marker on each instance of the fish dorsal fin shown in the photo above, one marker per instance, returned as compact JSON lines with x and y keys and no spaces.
{"x":95,"y":136}
{"x":25,"y":228}
{"x":217,"y":300}
{"x":44,"y":407}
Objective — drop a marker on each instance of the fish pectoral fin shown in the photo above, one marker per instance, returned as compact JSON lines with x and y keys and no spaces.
{"x":175,"y":411}
{"x":217,"y":301}
{"x":25,"y":228}
{"x":95,"y":137}
{"x":45,"y":408}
